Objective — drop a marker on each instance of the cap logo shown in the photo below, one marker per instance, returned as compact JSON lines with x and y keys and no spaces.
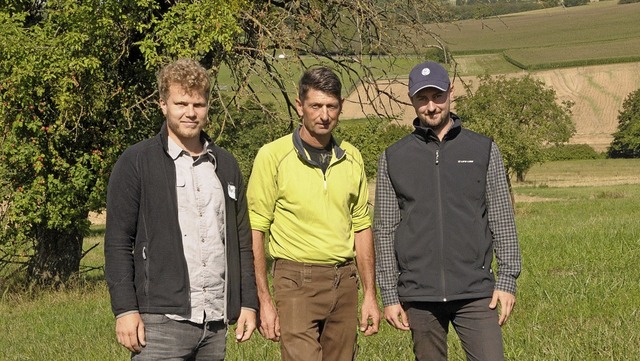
{"x":426,"y":71}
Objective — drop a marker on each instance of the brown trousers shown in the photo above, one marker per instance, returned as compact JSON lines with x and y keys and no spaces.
{"x":317,"y":306}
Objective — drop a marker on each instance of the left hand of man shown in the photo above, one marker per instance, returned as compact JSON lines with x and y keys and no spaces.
{"x":246,"y":325}
{"x":370,"y":316}
{"x":507,"y":301}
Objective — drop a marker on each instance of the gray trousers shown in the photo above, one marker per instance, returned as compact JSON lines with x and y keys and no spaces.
{"x":168,"y":339}
{"x":475,"y":323}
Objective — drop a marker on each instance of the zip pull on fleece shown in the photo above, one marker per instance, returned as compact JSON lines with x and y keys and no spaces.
{"x":437,"y":156}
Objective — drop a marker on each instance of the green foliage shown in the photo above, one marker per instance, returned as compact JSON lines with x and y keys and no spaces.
{"x":621,"y":2}
{"x":253,"y":128}
{"x":521,"y":115}
{"x":193,"y":30}
{"x":436,"y":55}
{"x":571,"y":152}
{"x":626,"y":140}
{"x":371,"y":136}
{"x":249,"y":129}
{"x":550,"y":3}
{"x":67,"y":109}
{"x":570,"y":3}
{"x":77,"y":88}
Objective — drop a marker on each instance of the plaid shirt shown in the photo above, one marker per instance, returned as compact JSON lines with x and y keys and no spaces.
{"x":500,"y":217}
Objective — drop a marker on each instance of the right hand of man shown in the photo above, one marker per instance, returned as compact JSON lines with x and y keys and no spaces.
{"x":396,"y":317}
{"x":130,"y":332}
{"x":269,"y":322}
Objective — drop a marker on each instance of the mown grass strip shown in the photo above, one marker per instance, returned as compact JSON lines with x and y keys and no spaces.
{"x":620,"y":51}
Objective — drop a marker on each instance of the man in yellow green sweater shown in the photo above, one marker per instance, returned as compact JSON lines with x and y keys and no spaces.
{"x":308,"y":191}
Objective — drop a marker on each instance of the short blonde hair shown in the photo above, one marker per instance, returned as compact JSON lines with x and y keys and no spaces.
{"x":188,"y":74}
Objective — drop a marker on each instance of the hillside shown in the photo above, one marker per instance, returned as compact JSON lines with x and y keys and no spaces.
{"x":558,"y":43}
{"x":598,"y":93}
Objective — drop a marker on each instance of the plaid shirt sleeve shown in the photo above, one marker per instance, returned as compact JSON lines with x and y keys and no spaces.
{"x":502,"y":224}
{"x":385,"y":221}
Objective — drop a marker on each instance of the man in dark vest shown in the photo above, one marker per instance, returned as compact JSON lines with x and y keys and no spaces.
{"x":442,"y":210}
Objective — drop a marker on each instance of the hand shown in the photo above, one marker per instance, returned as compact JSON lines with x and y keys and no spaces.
{"x":269,"y":322}
{"x":130,"y":332}
{"x":370,"y":316}
{"x":396,"y":317}
{"x":246,"y":325}
{"x":507,"y":301}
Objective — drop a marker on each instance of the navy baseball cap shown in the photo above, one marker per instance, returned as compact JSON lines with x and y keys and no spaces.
{"x":428,"y":75}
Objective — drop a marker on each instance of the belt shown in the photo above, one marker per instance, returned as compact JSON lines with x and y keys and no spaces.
{"x":345,"y":263}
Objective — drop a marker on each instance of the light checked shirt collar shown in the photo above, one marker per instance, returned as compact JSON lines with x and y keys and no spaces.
{"x":175,"y":151}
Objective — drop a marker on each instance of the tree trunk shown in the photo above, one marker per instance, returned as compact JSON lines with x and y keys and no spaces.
{"x":57,"y":256}
{"x":511,"y":194}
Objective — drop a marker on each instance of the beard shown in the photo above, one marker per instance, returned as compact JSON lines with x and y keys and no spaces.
{"x":435,"y":121}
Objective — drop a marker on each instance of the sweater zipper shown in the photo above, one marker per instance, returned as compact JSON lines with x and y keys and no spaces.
{"x":324,"y":178}
{"x":326,"y":172}
{"x":438,"y":189}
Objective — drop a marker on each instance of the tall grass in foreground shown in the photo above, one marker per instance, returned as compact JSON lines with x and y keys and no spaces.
{"x":578,"y":296}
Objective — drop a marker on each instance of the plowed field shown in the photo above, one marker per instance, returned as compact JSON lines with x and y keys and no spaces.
{"x":597,"y":91}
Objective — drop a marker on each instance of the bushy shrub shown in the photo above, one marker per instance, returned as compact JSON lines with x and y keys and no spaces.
{"x":250,"y":128}
{"x":572,"y":152}
{"x":550,"y":3}
{"x":621,"y":2}
{"x":253,"y":127}
{"x":436,"y":55}
{"x":371,"y":136}
{"x":570,"y":3}
{"x":626,"y":140}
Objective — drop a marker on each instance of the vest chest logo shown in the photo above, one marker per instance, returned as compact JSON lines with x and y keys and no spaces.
{"x":465,"y":160}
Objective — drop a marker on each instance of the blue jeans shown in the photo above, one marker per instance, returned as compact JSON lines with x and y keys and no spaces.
{"x":168,"y":339}
{"x":475,"y":323}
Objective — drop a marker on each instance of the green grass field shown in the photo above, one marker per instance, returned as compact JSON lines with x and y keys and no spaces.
{"x":597,"y":33}
{"x":592,"y":23}
{"x":578,"y":294}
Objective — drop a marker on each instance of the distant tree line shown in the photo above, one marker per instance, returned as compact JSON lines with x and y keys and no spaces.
{"x":483,"y":9}
{"x":570,"y":3}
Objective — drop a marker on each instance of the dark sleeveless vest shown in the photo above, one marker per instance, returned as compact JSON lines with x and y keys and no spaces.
{"x":443,"y":242}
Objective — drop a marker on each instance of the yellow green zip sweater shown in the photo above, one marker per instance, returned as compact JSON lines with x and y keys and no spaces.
{"x":310,"y":216}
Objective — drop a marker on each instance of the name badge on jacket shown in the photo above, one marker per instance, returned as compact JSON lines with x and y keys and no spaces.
{"x":231,"y":190}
